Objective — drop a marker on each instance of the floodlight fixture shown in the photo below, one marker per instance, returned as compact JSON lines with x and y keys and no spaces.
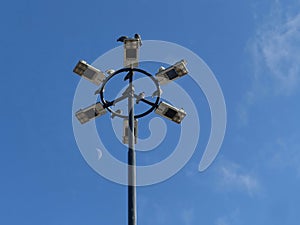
{"x":170,"y":112}
{"x":89,"y":72}
{"x":130,"y":122}
{"x":126,"y":131}
{"x":173,"y":72}
{"x":131,"y":51}
{"x":91,"y":112}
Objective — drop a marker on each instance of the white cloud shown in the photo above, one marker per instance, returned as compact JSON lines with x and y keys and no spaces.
{"x":233,"y":177}
{"x":275,"y":59}
{"x":275,"y":51}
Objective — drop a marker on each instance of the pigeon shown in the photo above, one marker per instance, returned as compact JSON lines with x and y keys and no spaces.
{"x":122,"y":38}
{"x":138,"y":37}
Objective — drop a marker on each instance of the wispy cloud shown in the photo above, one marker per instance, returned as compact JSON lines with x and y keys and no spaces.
{"x":275,"y":51}
{"x":234,"y":178}
{"x":274,"y":56}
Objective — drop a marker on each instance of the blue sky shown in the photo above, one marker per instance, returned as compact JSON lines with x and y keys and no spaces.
{"x":252,"y":48}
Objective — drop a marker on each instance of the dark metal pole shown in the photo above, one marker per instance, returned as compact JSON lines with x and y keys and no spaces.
{"x":131,"y":157}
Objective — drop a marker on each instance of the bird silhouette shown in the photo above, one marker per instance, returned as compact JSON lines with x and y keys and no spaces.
{"x":138,"y":37}
{"x":122,"y":38}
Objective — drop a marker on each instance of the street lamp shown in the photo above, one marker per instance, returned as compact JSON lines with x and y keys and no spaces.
{"x":130,"y":120}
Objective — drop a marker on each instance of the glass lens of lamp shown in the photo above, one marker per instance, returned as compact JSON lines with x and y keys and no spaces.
{"x":170,"y":113}
{"x":131,"y":53}
{"x":91,"y":113}
{"x":171,"y":74}
{"x":89,"y":74}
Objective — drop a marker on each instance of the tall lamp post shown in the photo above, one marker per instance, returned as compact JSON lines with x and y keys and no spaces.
{"x":131,"y":62}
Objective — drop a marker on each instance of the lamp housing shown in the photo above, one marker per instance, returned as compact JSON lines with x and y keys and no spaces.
{"x":170,"y":112}
{"x":131,"y":52}
{"x":91,"y":112}
{"x":171,"y":73}
{"x":89,"y":72}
